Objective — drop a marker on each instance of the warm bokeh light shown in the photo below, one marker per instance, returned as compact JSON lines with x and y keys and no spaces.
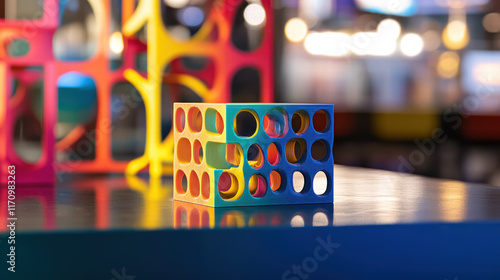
{"x":116,"y":42}
{"x":373,"y":44}
{"x":432,"y":40}
{"x":335,"y":44}
{"x":177,"y":3}
{"x":254,"y":14}
{"x":456,"y":35}
{"x":491,"y":22}
{"x":448,"y":65}
{"x":389,"y":28}
{"x":296,"y":30}
{"x":411,"y":44}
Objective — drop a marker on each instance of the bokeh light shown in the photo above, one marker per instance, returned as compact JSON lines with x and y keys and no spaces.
{"x":448,"y":65}
{"x":335,"y":44}
{"x":432,"y":40}
{"x":254,"y":14}
{"x":116,"y":42}
{"x":411,"y":44}
{"x":191,"y":16}
{"x":177,"y":4}
{"x":456,"y":35}
{"x":491,"y":22}
{"x":296,"y":30}
{"x":389,"y":28}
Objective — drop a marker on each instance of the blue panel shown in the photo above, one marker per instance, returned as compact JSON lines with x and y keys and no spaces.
{"x":309,"y":167}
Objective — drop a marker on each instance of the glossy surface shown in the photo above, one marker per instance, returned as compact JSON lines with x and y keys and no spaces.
{"x":362,"y":197}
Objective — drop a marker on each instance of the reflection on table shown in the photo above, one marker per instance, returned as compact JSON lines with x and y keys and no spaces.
{"x":362,"y":197}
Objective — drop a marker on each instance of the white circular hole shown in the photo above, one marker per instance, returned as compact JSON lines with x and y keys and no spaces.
{"x":298,"y":181}
{"x":320,"y":183}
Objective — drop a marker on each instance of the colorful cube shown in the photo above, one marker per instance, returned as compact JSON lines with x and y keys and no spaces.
{"x":253,"y":154}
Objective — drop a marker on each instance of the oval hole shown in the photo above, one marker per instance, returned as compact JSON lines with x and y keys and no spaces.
{"x":273,"y":154}
{"x":320,"y":183}
{"x":197,"y":152}
{"x":276,"y":122}
{"x":277,"y":181}
{"x":195,"y":119}
{"x":300,"y":122}
{"x":17,"y":47}
{"x":296,"y":150}
{"x":184,"y":151}
{"x":321,"y":121}
{"x":299,"y":182}
{"x":257,"y":185}
{"x":228,"y":186}
{"x":181,"y":184}
{"x":245,"y":123}
{"x":213,"y":121}
{"x":180,"y":119}
{"x":255,"y":156}
{"x":245,"y":86}
{"x":194,"y":184}
{"x":319,"y":150}
{"x":205,"y":185}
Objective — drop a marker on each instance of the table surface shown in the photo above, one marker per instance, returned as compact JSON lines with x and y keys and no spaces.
{"x":362,"y":197}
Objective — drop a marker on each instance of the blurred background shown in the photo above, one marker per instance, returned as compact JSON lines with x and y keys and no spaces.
{"x":416,"y":84}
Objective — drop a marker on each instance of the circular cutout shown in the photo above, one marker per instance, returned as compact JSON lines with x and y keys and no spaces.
{"x":180,"y":119}
{"x":17,"y":47}
{"x":273,"y":154}
{"x":300,"y":122}
{"x":295,"y":150}
{"x":257,"y":185}
{"x":276,"y":122}
{"x":319,"y":150}
{"x":255,"y":156}
{"x":275,"y":181}
{"x":213,"y":121}
{"x":194,"y":184}
{"x":299,"y":182}
{"x":181,"y":184}
{"x":321,"y":121}
{"x":195,"y":119}
{"x":228,"y":186}
{"x":197,"y":152}
{"x":184,"y":151}
{"x":245,"y":123}
{"x":320,"y":183}
{"x":205,"y":185}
